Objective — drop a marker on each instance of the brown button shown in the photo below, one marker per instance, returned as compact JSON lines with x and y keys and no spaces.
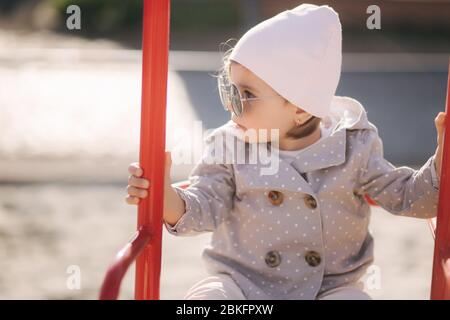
{"x":275,"y":197}
{"x":273,"y":259}
{"x":313,"y":258}
{"x":310,"y":202}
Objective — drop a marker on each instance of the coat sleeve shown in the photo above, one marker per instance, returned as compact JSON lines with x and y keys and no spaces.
{"x":208,"y":198}
{"x":399,"y":190}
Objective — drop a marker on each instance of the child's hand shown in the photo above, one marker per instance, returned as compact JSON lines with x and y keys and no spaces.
{"x":439,"y":121}
{"x":137,"y":186}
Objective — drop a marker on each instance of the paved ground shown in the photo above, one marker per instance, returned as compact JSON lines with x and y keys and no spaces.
{"x":46,"y":228}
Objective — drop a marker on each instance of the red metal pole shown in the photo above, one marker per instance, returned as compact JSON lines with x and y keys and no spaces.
{"x":155,"y":56}
{"x":440,"y":284}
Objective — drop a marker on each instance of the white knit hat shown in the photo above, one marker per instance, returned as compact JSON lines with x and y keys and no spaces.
{"x":298,"y":53}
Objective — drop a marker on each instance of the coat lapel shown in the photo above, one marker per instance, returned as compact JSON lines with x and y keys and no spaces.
{"x":329,"y":151}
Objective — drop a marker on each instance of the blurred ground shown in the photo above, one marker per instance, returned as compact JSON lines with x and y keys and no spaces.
{"x":45,"y":228}
{"x":69,"y":127}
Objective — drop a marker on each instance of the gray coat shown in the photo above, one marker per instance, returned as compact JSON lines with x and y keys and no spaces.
{"x":303,"y":230}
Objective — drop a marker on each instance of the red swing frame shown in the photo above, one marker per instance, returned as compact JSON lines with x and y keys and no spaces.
{"x":145,"y":246}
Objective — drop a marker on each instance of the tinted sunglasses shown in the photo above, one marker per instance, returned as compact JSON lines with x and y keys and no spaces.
{"x":231,"y":97}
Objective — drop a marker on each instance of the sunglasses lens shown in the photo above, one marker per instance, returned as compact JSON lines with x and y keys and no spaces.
{"x":222,"y":92}
{"x":229,"y":95}
{"x":236,"y":100}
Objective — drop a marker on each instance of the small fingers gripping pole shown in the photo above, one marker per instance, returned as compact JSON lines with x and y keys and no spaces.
{"x":146,"y":244}
{"x":440,"y":284}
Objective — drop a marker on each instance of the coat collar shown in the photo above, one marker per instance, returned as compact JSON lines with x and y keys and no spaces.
{"x":327,"y":152}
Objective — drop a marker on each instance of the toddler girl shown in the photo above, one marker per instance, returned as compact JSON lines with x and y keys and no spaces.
{"x":299,"y":229}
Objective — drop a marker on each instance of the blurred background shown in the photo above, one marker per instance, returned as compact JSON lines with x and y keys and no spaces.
{"x":69,"y":127}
